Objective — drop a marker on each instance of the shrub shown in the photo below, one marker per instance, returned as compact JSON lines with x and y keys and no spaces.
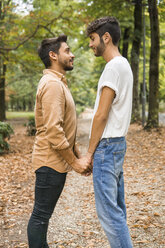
{"x":79,"y":109}
{"x":31,"y":129}
{"x":5,"y":132}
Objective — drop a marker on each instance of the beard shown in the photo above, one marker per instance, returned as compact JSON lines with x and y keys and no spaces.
{"x":99,"y":50}
{"x":65,"y":64}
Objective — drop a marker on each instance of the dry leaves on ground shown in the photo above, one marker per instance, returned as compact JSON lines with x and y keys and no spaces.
{"x":74,"y":223}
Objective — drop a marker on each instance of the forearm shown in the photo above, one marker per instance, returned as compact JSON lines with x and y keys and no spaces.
{"x":67,"y":155}
{"x":98,"y":126}
{"x":76,"y":151}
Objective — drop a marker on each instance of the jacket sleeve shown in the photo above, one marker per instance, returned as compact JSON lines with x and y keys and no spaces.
{"x":53,"y":111}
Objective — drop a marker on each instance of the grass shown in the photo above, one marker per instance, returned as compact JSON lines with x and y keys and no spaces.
{"x":12,"y":115}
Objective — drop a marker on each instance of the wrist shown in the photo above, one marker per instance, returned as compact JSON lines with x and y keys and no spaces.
{"x":74,"y":162}
{"x":89,"y":156}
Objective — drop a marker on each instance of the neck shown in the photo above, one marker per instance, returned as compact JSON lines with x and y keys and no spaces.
{"x":110,"y":53}
{"x":57,"y":68}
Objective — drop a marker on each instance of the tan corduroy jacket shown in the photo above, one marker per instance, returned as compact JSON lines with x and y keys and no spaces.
{"x":55,"y":118}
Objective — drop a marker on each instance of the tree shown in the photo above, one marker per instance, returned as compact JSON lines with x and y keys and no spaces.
{"x":135,"y":58}
{"x":126,"y":42}
{"x":2,"y":86}
{"x":17,"y":30}
{"x":153,"y":111}
{"x":2,"y":62}
{"x":20,"y":35}
{"x":12,"y":36}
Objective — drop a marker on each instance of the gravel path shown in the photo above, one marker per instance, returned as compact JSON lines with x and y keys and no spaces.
{"x":74,"y":222}
{"x":75,"y":217}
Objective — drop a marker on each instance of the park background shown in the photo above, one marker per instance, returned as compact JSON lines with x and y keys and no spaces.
{"x":23,"y":24}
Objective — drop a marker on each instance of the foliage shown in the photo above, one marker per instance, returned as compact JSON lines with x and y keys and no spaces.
{"x":30,"y":127}
{"x":51,"y":18}
{"x":5,"y":132}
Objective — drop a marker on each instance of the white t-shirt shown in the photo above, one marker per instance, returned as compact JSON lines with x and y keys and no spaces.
{"x":117,"y":75}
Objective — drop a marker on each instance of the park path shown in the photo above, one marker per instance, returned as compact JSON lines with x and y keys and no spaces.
{"x":74,"y":222}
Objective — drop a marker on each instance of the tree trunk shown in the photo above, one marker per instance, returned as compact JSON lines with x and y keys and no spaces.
{"x":2,"y":90}
{"x":126,"y":42}
{"x":135,"y":58}
{"x":153,"y":111}
{"x":23,"y":104}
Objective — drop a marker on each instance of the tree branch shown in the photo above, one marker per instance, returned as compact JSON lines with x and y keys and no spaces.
{"x":6,"y":58}
{"x":32,"y":35}
{"x":45,"y":27}
{"x":21,"y":43}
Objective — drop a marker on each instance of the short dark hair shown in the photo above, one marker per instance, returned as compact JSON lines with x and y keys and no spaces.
{"x":50,"y":44}
{"x":105,"y":24}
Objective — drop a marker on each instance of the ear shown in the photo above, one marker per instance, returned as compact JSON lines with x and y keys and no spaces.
{"x":53,"y":55}
{"x":107,"y":38}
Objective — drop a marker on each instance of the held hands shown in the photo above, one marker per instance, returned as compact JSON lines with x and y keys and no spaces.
{"x":83,"y":165}
{"x":89,"y":157}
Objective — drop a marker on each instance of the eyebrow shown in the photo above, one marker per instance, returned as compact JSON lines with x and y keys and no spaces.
{"x":67,"y":48}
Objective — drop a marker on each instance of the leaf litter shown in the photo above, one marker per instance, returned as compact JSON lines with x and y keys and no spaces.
{"x":74,"y":222}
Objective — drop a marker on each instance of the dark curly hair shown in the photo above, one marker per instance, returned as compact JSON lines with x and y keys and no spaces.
{"x":105,"y":24}
{"x":50,"y":44}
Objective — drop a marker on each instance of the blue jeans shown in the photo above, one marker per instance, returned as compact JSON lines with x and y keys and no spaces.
{"x":108,"y":182}
{"x":48,"y":187}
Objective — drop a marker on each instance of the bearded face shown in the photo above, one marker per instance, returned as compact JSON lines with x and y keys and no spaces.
{"x":65,"y":57}
{"x":100,"y":48}
{"x":97,"y":44}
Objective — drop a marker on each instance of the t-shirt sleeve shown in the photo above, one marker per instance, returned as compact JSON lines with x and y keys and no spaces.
{"x":110,"y":78}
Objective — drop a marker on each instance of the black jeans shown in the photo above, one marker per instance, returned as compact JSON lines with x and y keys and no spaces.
{"x":48,"y":187}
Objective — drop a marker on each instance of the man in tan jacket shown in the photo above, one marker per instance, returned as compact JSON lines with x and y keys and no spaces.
{"x":55,"y":152}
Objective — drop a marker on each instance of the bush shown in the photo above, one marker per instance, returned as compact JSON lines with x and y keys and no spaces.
{"x":5,"y":132}
{"x":79,"y":109}
{"x":31,"y":128}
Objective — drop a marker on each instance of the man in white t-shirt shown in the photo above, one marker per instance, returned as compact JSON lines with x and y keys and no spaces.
{"x":107,"y":145}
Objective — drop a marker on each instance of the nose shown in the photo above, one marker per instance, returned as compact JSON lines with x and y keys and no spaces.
{"x":90,"y":44}
{"x":72,"y":55}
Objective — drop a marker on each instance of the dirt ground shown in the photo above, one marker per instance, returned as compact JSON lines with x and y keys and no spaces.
{"x":74,"y":222}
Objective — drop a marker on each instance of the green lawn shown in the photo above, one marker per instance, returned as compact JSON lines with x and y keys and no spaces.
{"x":12,"y":115}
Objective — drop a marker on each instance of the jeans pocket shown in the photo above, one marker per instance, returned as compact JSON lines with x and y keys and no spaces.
{"x":97,"y":163}
{"x":118,"y":161}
